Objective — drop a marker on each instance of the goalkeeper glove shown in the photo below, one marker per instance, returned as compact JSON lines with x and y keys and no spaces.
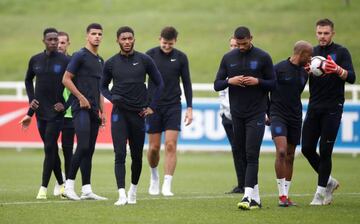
{"x":332,"y":67}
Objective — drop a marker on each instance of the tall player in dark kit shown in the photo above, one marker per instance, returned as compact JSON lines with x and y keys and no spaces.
{"x":127,"y":69}
{"x":248,"y":73}
{"x":82,"y":78}
{"x":173,"y":65}
{"x":47,"y":103}
{"x":286,"y":114}
{"x":325,"y":109}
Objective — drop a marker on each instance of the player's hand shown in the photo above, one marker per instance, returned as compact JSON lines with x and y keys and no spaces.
{"x":59,"y":107}
{"x":25,"y":122}
{"x":236,"y":81}
{"x":34,"y":104}
{"x":84,"y":103}
{"x":146,"y":112}
{"x":250,"y":81}
{"x":307,"y":68}
{"x":332,"y":67}
{"x":103,"y":120}
{"x":188,"y":116}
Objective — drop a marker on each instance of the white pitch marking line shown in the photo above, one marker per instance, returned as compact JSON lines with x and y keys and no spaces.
{"x":172,"y":198}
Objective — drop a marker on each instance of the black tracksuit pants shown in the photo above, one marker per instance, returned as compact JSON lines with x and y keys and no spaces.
{"x":126,"y":126}
{"x":248,"y":135}
{"x":323,"y":125}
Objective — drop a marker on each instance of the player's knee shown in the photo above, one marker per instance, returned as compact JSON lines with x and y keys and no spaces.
{"x":170,"y":146}
{"x":281,"y":153}
{"x":306,"y":151}
{"x":252,"y":157}
{"x":154,"y":148}
{"x":136,"y":157}
{"x":120,"y":157}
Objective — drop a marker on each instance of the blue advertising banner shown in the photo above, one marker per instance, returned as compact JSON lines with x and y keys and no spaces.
{"x":207,"y":133}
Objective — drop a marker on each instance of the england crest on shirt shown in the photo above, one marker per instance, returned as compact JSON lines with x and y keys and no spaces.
{"x":333,"y":56}
{"x":57,"y":68}
{"x":253,"y":65}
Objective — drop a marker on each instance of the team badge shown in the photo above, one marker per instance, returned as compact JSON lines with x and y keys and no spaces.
{"x":57,"y":68}
{"x":333,"y":56}
{"x":115,"y":117}
{"x":253,"y":65}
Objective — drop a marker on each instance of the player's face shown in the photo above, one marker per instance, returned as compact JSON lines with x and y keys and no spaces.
{"x":63,"y":44}
{"x":305,"y":57}
{"x":324,"y":35}
{"x":94,"y":37}
{"x":167,"y":45}
{"x":126,"y":42}
{"x":233,"y":44}
{"x":244,"y":44}
{"x":51,"y":41}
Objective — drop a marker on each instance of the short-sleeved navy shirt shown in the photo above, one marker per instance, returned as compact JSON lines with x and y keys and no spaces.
{"x":87,"y":70}
{"x":286,"y":97}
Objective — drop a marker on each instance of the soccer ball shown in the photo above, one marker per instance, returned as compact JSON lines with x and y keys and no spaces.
{"x":317,"y":65}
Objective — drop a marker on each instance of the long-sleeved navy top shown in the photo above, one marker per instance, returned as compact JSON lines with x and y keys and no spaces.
{"x":286,"y":97}
{"x":327,"y":92}
{"x":87,"y":70}
{"x":249,"y":100}
{"x":49,"y":71}
{"x":172,"y":66}
{"x":128,"y":74}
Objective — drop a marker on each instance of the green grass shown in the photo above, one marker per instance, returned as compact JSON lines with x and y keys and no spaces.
{"x":204,"y":26}
{"x":199,"y":185}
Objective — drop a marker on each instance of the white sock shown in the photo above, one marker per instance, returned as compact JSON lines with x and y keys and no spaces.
{"x":256,"y":194}
{"x":133,"y":188}
{"x":287,"y":187}
{"x":320,"y":190}
{"x":281,"y":186}
{"x":122,"y":193}
{"x":167,"y":180}
{"x":248,"y":192}
{"x":154,"y":173}
{"x":86,"y":189}
{"x":70,"y":184}
{"x":329,"y":180}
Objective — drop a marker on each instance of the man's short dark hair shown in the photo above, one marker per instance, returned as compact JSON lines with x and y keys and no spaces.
{"x":242,"y":32}
{"x":169,"y":33}
{"x":96,"y":26}
{"x":62,"y":33}
{"x":49,"y":30}
{"x":325,"y":22}
{"x":124,"y":29}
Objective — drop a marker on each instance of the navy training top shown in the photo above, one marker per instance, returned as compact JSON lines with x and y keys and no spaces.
{"x":87,"y":70}
{"x":327,"y":92}
{"x":172,"y":66}
{"x":286,"y":97}
{"x":49,"y":71}
{"x":250,"y":100}
{"x":128,"y":74}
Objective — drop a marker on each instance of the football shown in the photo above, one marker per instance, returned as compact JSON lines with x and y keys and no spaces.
{"x":317,"y":65}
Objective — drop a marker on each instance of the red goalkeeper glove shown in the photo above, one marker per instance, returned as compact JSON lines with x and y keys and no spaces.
{"x":332,"y":67}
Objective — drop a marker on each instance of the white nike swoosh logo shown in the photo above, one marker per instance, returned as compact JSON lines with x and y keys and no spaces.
{"x":6,"y":118}
{"x":135,"y":63}
{"x":172,"y":59}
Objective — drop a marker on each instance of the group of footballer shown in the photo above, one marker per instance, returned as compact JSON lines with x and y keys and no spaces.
{"x":69,"y":93}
